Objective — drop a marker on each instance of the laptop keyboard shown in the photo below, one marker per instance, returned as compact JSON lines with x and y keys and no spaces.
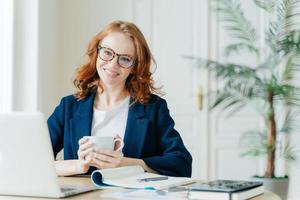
{"x":65,"y":189}
{"x":69,"y":190}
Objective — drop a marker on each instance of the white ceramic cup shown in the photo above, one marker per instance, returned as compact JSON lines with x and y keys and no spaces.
{"x":105,"y":142}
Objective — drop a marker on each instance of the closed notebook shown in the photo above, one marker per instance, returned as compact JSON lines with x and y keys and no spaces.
{"x":226,"y":190}
{"x":135,"y":177}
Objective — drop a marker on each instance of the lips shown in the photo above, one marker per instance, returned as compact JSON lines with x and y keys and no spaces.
{"x":111,"y":73}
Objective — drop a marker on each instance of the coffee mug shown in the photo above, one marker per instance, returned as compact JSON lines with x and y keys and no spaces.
{"x":105,"y":142}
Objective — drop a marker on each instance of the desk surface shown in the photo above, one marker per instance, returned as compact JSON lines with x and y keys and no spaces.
{"x":98,"y":193}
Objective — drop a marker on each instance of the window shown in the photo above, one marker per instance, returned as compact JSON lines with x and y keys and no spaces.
{"x":6,"y":49}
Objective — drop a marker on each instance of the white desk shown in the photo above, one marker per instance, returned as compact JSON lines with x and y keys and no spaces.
{"x":98,"y":194}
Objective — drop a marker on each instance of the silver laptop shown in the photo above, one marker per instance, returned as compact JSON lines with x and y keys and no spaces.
{"x":26,"y":158}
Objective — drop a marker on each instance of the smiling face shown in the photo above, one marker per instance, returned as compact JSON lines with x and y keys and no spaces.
{"x":110,"y":72}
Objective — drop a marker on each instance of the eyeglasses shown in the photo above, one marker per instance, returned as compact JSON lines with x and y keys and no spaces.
{"x":108,"y":54}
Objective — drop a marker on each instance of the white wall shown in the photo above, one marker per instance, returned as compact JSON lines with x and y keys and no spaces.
{"x":49,"y":70}
{"x":25,"y":57}
{"x":6,"y":50}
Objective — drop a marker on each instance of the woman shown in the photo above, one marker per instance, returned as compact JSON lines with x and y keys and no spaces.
{"x":114,"y":97}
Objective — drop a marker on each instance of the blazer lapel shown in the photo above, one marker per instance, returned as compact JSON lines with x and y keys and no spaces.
{"x":81,"y":124}
{"x":136,"y":130}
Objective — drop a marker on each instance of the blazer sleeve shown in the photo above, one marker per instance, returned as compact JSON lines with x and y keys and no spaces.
{"x":56,"y":127}
{"x":175,"y":160}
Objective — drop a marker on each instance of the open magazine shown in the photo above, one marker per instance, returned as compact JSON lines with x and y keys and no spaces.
{"x":135,"y":177}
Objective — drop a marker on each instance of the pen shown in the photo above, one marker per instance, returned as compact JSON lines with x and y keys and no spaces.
{"x":153,"y":179}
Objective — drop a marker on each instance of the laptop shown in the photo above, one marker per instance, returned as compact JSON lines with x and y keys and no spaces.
{"x":27,"y":160}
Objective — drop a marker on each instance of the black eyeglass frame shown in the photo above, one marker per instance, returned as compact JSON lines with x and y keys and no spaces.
{"x":118,"y":55}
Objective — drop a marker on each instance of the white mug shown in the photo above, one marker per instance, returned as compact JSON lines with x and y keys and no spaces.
{"x":105,"y":142}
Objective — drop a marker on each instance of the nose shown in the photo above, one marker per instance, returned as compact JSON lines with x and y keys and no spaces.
{"x":113,"y":62}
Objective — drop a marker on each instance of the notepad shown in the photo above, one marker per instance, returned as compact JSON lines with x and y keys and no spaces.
{"x":131,"y":176}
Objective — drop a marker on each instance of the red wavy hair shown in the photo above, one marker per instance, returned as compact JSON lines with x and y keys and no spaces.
{"x":139,"y":83}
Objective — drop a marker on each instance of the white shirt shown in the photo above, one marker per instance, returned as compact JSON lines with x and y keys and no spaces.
{"x":111,"y":122}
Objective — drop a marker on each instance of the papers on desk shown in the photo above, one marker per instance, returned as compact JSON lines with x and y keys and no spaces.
{"x":147,"y":195}
{"x":135,"y":177}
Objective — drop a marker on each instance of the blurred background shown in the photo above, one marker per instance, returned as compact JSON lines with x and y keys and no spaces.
{"x":42,"y":42}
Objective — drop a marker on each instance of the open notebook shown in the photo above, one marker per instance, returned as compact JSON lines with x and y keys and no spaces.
{"x":135,"y":177}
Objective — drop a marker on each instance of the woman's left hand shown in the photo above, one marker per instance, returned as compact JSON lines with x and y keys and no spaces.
{"x":104,"y":158}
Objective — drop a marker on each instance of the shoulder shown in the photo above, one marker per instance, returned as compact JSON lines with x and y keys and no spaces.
{"x":156,"y":104}
{"x":67,"y":102}
{"x":71,"y":99}
{"x":70,"y":102}
{"x":155,"y":99}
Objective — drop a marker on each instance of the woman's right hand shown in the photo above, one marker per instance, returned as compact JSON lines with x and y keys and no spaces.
{"x":85,"y":148}
{"x":71,"y":167}
{"x":80,"y":166}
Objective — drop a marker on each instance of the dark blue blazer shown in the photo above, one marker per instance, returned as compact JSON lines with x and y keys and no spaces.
{"x":149,"y":134}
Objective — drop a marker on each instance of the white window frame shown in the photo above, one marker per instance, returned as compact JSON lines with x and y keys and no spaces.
{"x":6,"y":54}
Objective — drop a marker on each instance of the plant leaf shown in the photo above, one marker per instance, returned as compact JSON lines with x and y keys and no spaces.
{"x":229,"y":49}
{"x":237,"y":25}
{"x":254,"y":143}
{"x":267,"y":5}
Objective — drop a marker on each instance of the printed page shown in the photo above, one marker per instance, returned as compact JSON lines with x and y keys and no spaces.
{"x":147,"y":195}
{"x":135,"y":181}
{"x":116,"y":173}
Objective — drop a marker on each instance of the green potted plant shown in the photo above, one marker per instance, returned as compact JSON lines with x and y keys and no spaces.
{"x":270,"y":86}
